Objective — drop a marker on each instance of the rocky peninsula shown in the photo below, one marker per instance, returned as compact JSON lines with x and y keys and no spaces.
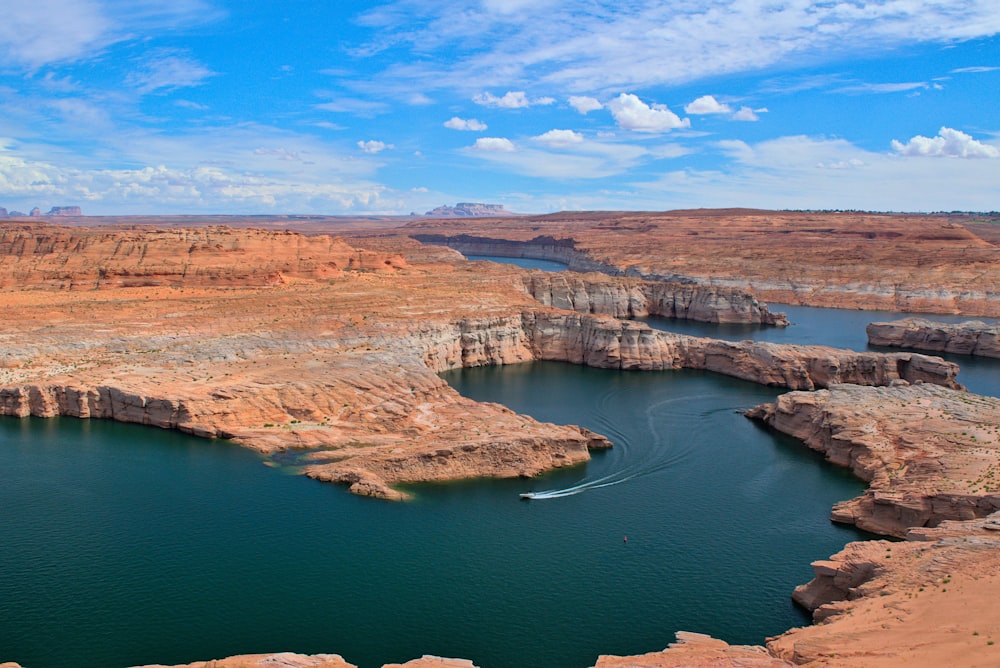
{"x":967,"y":338}
{"x":329,"y":347}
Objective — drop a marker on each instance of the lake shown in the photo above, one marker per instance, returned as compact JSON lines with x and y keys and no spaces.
{"x":125,"y":545}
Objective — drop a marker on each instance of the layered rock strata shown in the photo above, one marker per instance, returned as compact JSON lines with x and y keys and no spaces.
{"x":967,"y":338}
{"x":53,"y":257}
{"x":929,"y":453}
{"x":290,"y":660}
{"x":631,"y":298}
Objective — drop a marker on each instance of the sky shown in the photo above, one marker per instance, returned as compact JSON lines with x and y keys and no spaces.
{"x":341,"y":107}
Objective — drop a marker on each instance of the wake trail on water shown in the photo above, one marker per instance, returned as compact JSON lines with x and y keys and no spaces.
{"x":664,"y":451}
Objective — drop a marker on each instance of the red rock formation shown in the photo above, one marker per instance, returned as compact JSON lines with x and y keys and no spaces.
{"x":928,"y":453}
{"x":967,"y":338}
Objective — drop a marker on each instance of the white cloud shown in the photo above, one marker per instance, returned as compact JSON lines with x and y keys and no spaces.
{"x":707,"y":104}
{"x":584,"y":104}
{"x":747,"y":114}
{"x":44,"y":32}
{"x":513,"y":99}
{"x":575,"y":161}
{"x":978,"y":69}
{"x":165,"y":70}
{"x":881,"y":88}
{"x":603,"y":46}
{"x":818,"y":173}
{"x":631,"y":113}
{"x":374,"y":146}
{"x":559,"y":138}
{"x":472,"y":124}
{"x":948,"y":143}
{"x":207,"y":188}
{"x":499,"y":144}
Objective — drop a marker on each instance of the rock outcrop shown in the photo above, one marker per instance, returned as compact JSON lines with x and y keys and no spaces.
{"x":610,"y":343}
{"x":929,"y":453}
{"x":631,"y":298}
{"x":967,"y":338}
{"x":696,"y":650}
{"x":469,"y":210}
{"x":65,"y":211}
{"x":290,"y":660}
{"x":924,"y":602}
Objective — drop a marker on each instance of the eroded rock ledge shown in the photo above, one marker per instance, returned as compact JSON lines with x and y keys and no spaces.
{"x":967,"y":338}
{"x":929,"y":453}
{"x":634,"y":298}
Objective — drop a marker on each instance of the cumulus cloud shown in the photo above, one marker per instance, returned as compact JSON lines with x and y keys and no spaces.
{"x":559,"y":138}
{"x":948,"y":143}
{"x":584,"y":104}
{"x":471,"y":124}
{"x":707,"y":104}
{"x":748,"y":114}
{"x":631,"y":113}
{"x":512,"y":99}
{"x":497,"y":144}
{"x":373,"y":146}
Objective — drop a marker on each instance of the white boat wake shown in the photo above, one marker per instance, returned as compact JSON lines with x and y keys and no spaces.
{"x":659,"y":455}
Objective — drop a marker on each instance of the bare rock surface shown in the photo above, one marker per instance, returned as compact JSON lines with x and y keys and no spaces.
{"x":966,"y":338}
{"x":635,"y":298}
{"x":696,"y":650}
{"x":279,"y":660}
{"x":929,"y":453}
{"x":926,"y":602}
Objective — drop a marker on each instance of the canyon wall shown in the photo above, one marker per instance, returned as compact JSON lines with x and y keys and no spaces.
{"x":967,"y":338}
{"x":630,"y":298}
{"x":610,"y":343}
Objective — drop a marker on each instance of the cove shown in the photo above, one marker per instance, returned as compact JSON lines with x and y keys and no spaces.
{"x":126,"y":545}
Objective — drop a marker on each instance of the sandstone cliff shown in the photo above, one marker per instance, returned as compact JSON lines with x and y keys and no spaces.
{"x":631,"y":298}
{"x":606,"y":342}
{"x":967,"y":338}
{"x":929,"y":453}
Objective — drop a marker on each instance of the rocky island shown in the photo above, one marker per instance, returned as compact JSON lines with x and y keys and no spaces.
{"x":329,"y":346}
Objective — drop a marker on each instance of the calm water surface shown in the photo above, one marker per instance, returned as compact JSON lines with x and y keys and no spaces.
{"x":124,"y":545}
{"x":524,"y":262}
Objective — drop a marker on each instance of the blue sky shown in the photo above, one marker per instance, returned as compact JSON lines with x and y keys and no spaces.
{"x":340,"y":107}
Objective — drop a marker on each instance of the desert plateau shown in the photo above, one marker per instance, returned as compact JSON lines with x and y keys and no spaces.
{"x":325,"y":339}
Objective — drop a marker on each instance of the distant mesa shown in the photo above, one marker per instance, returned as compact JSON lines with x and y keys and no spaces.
{"x":36,"y":212}
{"x":469,"y":210}
{"x":65,"y":211}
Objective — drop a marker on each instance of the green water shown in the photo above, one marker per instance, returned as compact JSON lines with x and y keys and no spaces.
{"x":124,"y":545}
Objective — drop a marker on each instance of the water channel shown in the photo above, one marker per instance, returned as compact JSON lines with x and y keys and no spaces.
{"x":125,"y":545}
